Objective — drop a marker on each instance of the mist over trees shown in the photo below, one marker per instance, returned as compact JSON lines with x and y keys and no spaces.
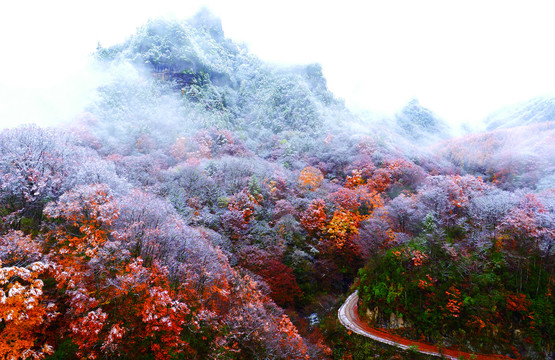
{"x":208,"y":205}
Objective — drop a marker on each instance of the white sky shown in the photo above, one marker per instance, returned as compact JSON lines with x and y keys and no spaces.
{"x":462,"y":59}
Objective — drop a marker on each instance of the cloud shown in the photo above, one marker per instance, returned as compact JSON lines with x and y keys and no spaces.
{"x":46,"y":100}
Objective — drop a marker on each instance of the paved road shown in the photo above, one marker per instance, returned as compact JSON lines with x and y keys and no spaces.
{"x":349,"y":317}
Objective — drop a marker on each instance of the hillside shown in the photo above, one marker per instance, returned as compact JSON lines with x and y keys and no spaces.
{"x":208,"y":205}
{"x":513,"y":157}
{"x":536,"y":110}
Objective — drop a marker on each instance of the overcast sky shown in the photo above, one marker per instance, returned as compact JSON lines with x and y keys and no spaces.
{"x":461,"y":59}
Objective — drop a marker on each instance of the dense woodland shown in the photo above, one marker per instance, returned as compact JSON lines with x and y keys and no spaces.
{"x":208,"y":205}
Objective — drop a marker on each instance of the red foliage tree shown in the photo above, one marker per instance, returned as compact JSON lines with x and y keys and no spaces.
{"x":279,"y":277}
{"x":314,"y":218}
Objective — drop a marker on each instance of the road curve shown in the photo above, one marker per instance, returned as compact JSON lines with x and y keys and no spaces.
{"x":349,"y":317}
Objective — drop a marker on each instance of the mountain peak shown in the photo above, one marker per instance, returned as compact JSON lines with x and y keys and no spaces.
{"x":205,"y":19}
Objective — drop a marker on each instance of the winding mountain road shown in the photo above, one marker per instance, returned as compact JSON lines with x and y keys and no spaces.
{"x":349,"y":317}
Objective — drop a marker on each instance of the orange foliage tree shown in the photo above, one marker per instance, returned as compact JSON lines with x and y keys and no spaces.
{"x":311,"y":178}
{"x":353,"y":204}
{"x":87,"y":213}
{"x":343,"y":225}
{"x":24,"y":310}
{"x":23,"y":313}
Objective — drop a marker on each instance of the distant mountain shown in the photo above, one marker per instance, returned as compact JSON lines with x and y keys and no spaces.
{"x":520,"y":156}
{"x":536,"y":110}
{"x":229,"y":87}
{"x":222,"y":78}
{"x":418,"y":122}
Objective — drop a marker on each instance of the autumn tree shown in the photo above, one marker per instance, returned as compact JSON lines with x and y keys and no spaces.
{"x":353,"y":203}
{"x":403,"y":214}
{"x":310,"y":179}
{"x":143,"y":314}
{"x":314,"y":218}
{"x":280,"y":278}
{"x":87,"y":213}
{"x":24,"y":310}
{"x":257,"y":327}
{"x":179,"y":149}
{"x":34,"y":166}
{"x":386,"y":175}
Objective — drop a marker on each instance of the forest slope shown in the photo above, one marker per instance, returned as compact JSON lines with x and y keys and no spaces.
{"x":209,"y":205}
